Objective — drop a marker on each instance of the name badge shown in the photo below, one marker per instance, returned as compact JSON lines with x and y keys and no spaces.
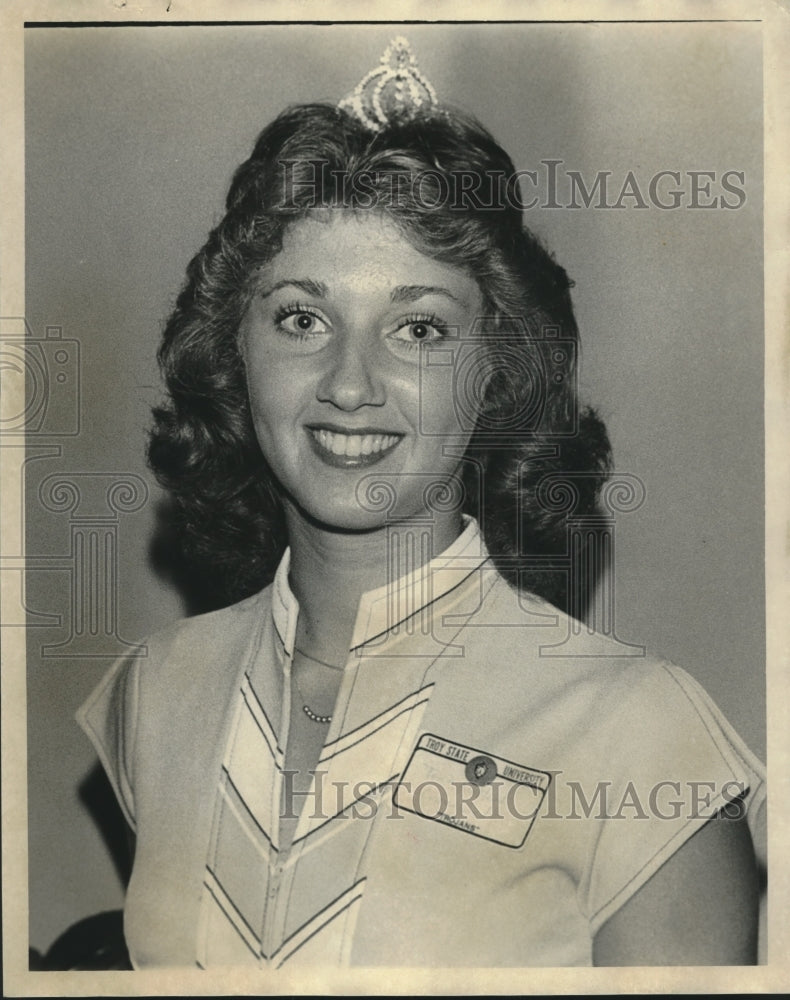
{"x":471,"y":790}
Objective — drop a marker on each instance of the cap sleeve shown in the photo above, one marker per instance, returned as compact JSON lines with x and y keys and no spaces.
{"x":675,"y":762}
{"x":109,"y":719}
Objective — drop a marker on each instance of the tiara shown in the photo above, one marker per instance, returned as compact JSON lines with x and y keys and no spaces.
{"x":393,"y":91}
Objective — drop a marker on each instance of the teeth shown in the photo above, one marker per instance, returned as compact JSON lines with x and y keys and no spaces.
{"x":354,"y":445}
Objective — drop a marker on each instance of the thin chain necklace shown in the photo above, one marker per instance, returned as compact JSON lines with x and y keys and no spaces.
{"x":307,"y":656}
{"x":322,"y":720}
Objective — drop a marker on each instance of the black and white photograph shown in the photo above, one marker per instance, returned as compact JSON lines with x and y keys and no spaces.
{"x":394,"y":500}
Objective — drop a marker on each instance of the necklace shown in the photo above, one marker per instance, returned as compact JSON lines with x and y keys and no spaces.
{"x":322,"y":720}
{"x":307,"y":656}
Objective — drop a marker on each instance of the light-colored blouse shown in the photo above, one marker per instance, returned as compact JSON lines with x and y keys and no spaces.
{"x":495,"y":783}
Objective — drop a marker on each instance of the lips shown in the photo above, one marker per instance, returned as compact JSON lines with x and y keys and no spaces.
{"x":344,"y":449}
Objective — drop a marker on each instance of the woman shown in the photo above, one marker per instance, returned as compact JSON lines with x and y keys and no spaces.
{"x":387,"y":751}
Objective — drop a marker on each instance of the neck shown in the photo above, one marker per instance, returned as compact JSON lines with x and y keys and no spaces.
{"x":330,"y":570}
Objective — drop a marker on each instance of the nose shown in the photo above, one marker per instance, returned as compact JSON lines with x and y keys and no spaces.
{"x":352,"y":379}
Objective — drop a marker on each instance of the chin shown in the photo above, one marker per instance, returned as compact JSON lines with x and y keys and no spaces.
{"x":344,"y":515}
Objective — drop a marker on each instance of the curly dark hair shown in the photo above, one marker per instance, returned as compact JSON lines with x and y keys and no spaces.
{"x":531,"y":429}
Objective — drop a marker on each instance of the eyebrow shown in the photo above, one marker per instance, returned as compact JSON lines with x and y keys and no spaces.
{"x":410,"y":293}
{"x":401,"y":293}
{"x":315,"y":288}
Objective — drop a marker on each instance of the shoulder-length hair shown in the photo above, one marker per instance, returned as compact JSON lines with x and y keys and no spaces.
{"x":447,"y":184}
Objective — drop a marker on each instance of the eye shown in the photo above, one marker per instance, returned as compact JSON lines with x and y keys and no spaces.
{"x":300,"y":321}
{"x":417,"y":330}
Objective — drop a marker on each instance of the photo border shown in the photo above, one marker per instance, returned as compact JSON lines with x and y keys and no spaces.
{"x":774,"y":976}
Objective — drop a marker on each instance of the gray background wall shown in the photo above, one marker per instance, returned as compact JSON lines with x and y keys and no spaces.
{"x":132,"y":134}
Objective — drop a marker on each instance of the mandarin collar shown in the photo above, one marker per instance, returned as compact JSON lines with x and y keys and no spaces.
{"x":387,"y":606}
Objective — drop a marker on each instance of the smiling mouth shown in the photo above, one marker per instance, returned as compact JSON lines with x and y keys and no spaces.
{"x":351,"y":450}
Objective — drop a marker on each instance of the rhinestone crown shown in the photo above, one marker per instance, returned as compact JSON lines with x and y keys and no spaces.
{"x":393,"y":91}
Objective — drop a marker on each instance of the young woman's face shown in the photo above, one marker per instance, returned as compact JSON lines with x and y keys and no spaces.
{"x":339,"y":344}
